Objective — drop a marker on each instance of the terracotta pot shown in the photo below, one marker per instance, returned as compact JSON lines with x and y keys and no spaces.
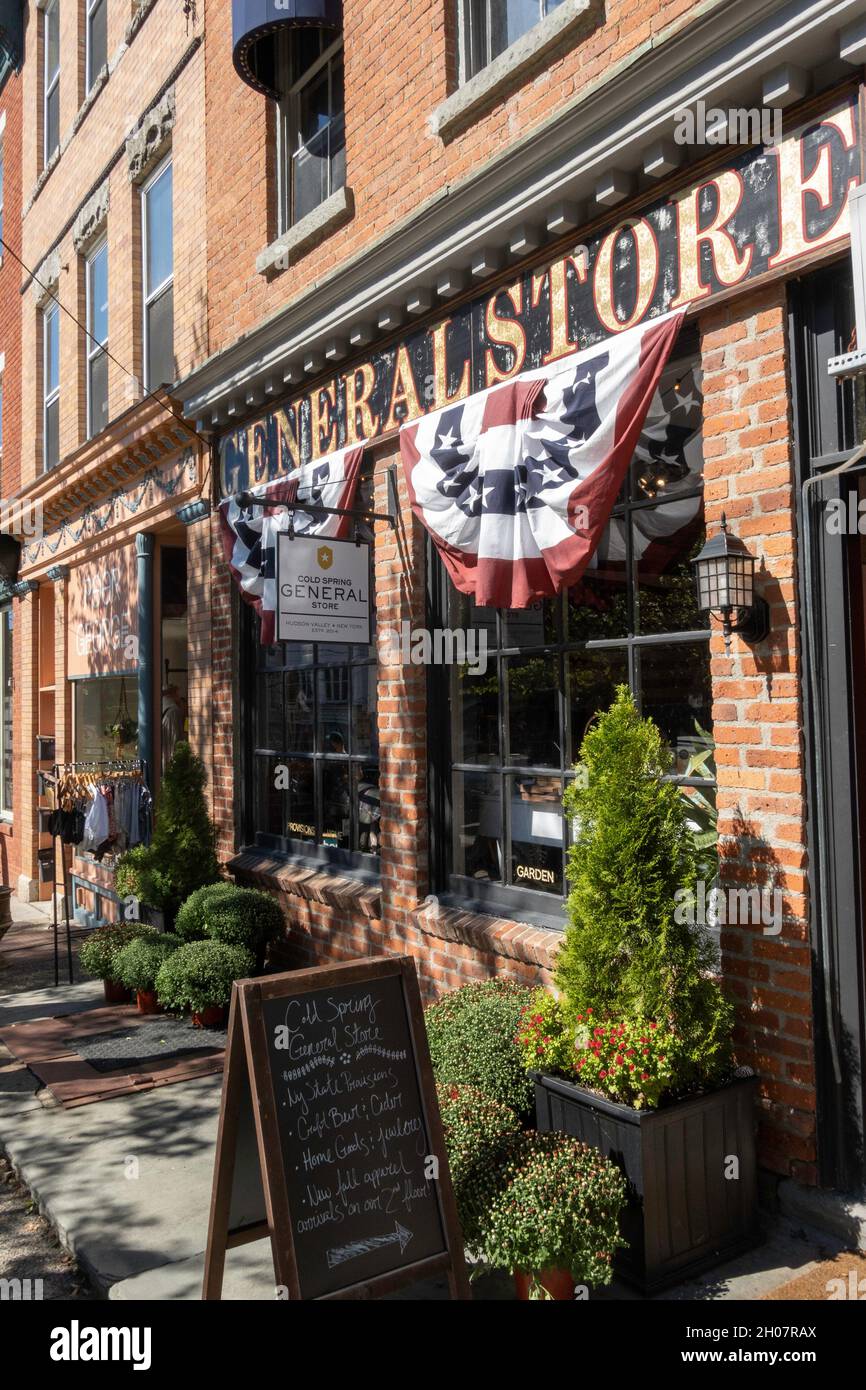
{"x":559,"y":1283}
{"x":115,"y":992}
{"x":211,"y":1017}
{"x":148,"y":1002}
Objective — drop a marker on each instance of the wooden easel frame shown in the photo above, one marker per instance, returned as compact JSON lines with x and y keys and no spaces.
{"x":247,"y":1050}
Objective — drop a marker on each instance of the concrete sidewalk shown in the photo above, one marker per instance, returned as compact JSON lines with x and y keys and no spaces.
{"x":126,"y":1183}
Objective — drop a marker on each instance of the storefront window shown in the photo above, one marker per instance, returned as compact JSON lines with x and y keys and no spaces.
{"x":106,"y":720}
{"x":6,"y":719}
{"x":517,"y":727}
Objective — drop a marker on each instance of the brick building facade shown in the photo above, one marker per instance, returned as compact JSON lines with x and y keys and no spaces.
{"x":378,"y":213}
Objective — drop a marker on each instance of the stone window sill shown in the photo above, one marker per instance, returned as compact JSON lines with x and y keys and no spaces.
{"x":307,"y":233}
{"x":499,"y":78}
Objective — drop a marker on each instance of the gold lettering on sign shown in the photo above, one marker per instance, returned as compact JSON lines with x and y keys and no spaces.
{"x":647,"y":254}
{"x":730,"y":265}
{"x":287,"y":439}
{"x":529,"y":871}
{"x":322,"y":420}
{"x":403,"y":392}
{"x":357,"y":404}
{"x":260,"y":452}
{"x":795,"y":185}
{"x":504,"y":332}
{"x":561,"y":341}
{"x":439,"y":336}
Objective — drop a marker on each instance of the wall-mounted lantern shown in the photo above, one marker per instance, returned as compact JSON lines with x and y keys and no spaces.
{"x":725,"y":584}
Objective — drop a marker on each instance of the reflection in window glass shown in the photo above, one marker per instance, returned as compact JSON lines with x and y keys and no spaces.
{"x":676,"y":691}
{"x":536,"y":832}
{"x":477,"y":826}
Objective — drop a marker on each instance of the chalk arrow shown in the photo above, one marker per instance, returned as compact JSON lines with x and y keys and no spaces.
{"x":341,"y":1253}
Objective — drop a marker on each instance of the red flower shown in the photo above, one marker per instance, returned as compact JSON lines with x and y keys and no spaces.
{"x":644,"y":1076}
{"x":653,"y":1025}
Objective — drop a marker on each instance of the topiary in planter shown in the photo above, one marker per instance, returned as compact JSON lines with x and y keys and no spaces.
{"x":200,"y":974}
{"x":99,"y":951}
{"x":557,"y":1208}
{"x":138,"y":962}
{"x":629,"y":949}
{"x":472,"y":1036}
{"x":190,"y":923}
{"x":478,"y":1131}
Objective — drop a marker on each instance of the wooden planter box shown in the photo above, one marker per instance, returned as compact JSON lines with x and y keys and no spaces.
{"x":683,"y":1215}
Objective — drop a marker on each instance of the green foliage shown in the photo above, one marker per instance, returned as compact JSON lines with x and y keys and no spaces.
{"x":138,"y":963}
{"x":190,"y":923}
{"x":472,"y":1041}
{"x":478,"y":1131}
{"x":636,"y":1062}
{"x":701,"y":807}
{"x":200,"y":974}
{"x":558,"y":1208}
{"x":101,"y":947}
{"x":628,"y":951}
{"x":544,"y":1037}
{"x":182,"y":854}
{"x":244,"y":917}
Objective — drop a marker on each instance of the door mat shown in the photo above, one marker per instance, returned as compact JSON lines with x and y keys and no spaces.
{"x":92,"y":1056}
{"x":841,"y":1279}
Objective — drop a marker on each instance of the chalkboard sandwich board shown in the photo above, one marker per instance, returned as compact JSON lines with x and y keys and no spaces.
{"x":330,"y":1142}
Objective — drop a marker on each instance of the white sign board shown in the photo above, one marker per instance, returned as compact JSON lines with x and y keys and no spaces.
{"x":323,"y":590}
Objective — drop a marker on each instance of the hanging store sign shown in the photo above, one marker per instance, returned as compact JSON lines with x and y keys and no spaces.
{"x":767,"y":210}
{"x":323,"y":590}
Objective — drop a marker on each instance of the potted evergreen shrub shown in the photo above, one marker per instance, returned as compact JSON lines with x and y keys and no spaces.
{"x":635,"y":1056}
{"x":231,"y":914}
{"x":554,"y":1220}
{"x":199,"y":977}
{"x":182,"y":854}
{"x":138,"y":963}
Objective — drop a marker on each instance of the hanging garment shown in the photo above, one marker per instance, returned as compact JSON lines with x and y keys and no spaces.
{"x":96,"y":822}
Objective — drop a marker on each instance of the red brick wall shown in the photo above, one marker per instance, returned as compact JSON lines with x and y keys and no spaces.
{"x":398,"y":58}
{"x":757,"y":717}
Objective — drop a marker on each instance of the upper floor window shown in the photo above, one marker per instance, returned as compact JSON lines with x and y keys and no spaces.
{"x":51,"y":78}
{"x":51,"y":386}
{"x":97,"y":327}
{"x":158,"y":248}
{"x":491,"y":26}
{"x":97,"y":39}
{"x":312,"y":125}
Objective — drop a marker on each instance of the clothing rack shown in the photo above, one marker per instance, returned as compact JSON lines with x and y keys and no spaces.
{"x":103,"y":767}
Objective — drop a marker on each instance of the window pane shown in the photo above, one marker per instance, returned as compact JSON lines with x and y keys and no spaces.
{"x":98,"y":393}
{"x":508,"y":20}
{"x":366,"y":784}
{"x":334,"y":710}
{"x":665,"y":540}
{"x":300,"y":706}
{"x":365,"y":730}
{"x":531,"y":627}
{"x":592,"y":680}
{"x":269,"y":721}
{"x":269,"y":798}
{"x":52,"y":41}
{"x":535,"y":812}
{"x":301,"y":798}
{"x":477,"y":826}
{"x":533,"y":712}
{"x":97,"y":703}
{"x":51,"y":326}
{"x":159,"y":232}
{"x":598,"y":603}
{"x":160,"y":340}
{"x":337,"y":805}
{"x":97,"y":41}
{"x":98,"y":295}
{"x":52,"y":434}
{"x":52,"y":122}
{"x":475,"y":715}
{"x":676,"y":689}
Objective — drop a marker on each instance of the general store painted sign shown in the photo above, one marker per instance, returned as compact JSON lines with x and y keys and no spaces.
{"x":766,"y":210}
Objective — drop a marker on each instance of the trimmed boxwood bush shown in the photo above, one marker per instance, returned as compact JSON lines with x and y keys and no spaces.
{"x":99,"y":951}
{"x":190,"y":921}
{"x":478,"y":1133}
{"x":200,"y":974}
{"x":137,"y":963}
{"x":557,"y":1207}
{"x":472,"y":1036}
